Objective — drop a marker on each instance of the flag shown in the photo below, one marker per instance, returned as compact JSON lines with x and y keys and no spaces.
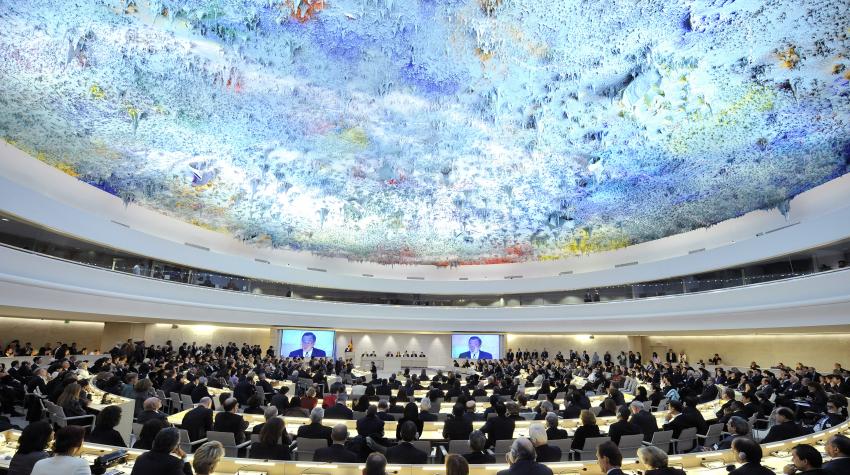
{"x":350,"y":347}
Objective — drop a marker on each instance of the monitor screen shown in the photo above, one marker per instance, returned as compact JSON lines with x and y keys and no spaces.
{"x":476,"y":346}
{"x":297,"y":343}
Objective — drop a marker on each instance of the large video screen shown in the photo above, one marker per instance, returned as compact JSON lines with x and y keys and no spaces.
{"x":307,"y":343}
{"x":476,"y":346}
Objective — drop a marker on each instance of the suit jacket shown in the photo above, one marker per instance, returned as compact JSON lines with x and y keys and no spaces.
{"x":197,"y":422}
{"x":621,"y":428}
{"x":335,"y":453}
{"x":664,"y":471}
{"x":526,"y":467}
{"x":786,"y":430}
{"x":405,"y":452}
{"x":498,"y":428}
{"x":274,"y":452}
{"x":482,"y":355}
{"x":230,"y":422}
{"x":370,"y":426}
{"x":548,"y":453}
{"x":475,"y":458}
{"x":457,"y":428}
{"x":752,"y":469}
{"x":299,"y":353}
{"x":838,"y":466}
{"x":679,"y":423}
{"x":199,"y":393}
{"x":339,"y":411}
{"x":582,"y":433}
{"x":106,"y":437}
{"x":160,"y":464}
{"x":315,"y":430}
{"x":384,"y":416}
{"x":554,"y":433}
{"x":148,"y":415}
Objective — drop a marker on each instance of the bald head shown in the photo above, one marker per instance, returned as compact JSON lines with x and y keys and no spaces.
{"x":152,"y":404}
{"x":206,"y":402}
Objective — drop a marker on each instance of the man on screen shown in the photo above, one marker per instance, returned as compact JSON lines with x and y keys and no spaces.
{"x":475,"y":352}
{"x":308,"y":341}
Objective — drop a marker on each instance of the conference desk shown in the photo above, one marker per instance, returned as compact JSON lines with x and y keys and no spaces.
{"x":777,"y":455}
{"x":394,"y":363}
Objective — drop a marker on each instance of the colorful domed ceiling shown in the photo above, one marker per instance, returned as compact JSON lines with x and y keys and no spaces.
{"x":443,"y":132}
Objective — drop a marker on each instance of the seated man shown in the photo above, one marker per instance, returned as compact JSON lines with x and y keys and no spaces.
{"x":315,"y":429}
{"x":270,"y":412}
{"x":522,"y":459}
{"x":478,"y":445}
{"x":545,"y":452}
{"x":838,"y":448}
{"x":622,"y":426}
{"x":553,"y":432}
{"x":785,"y":427}
{"x":805,"y":459}
{"x":405,"y":452}
{"x":737,"y":427}
{"x":229,"y":421}
{"x":151,"y":406}
{"x":337,"y":452}
{"x":199,"y":420}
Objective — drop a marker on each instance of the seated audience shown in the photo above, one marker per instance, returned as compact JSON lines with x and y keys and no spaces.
{"x":457,"y":426}
{"x":522,"y":460}
{"x":66,"y":451}
{"x":499,"y":427}
{"x":748,"y":452}
{"x":104,"y":430}
{"x":269,"y":413}
{"x":148,"y":433}
{"x":32,"y":447}
{"x":456,"y":465}
{"x":229,"y":421}
{"x":206,"y":457}
{"x":315,"y":429}
{"x":587,"y":430}
{"x":337,"y":451}
{"x":553,"y":432}
{"x":411,"y":413}
{"x":274,"y":442}
{"x":655,"y":461}
{"x":609,"y":458}
{"x":152,"y":406}
{"x":376,"y":464}
{"x":545,"y":452}
{"x":805,"y":459}
{"x":622,"y":426}
{"x":199,"y":420}
{"x":165,"y":456}
{"x":838,"y":448}
{"x":478,"y":447}
{"x":785,"y":427}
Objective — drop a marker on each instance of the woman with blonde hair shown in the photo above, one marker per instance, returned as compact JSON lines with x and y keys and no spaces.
{"x":587,"y":430}
{"x":206,"y":457}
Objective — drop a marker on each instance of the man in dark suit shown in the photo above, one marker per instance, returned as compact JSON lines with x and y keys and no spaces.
{"x":475,"y":352}
{"x":676,"y":420}
{"x":785,"y":427}
{"x":709,"y":393}
{"x":339,"y":410}
{"x":371,"y":425}
{"x":458,"y":426}
{"x":838,"y":448}
{"x":159,"y":458}
{"x":477,"y":445}
{"x":622,"y":426}
{"x":405,"y":452}
{"x":337,"y":451}
{"x":553,"y":432}
{"x":647,"y":423}
{"x":499,"y":427}
{"x":609,"y":458}
{"x":230,"y":421}
{"x":383,"y":411}
{"x":151,"y":410}
{"x":200,"y":390}
{"x":308,"y":349}
{"x":199,"y":420}
{"x":522,"y":458}
{"x":315,"y":429}
{"x":269,"y":412}
{"x":545,"y":452}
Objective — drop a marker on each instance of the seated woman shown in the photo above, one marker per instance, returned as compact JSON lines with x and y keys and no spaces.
{"x":206,"y":457}
{"x":655,"y":460}
{"x":66,"y":451}
{"x":104,"y":429}
{"x":148,"y":434}
{"x":32,"y":447}
{"x":274,"y":443}
{"x":71,"y":403}
{"x":587,"y":430}
{"x":309,"y":400}
{"x":609,"y":408}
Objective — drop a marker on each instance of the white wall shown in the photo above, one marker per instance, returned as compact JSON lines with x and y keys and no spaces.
{"x":42,"y":194}
{"x":39,"y":332}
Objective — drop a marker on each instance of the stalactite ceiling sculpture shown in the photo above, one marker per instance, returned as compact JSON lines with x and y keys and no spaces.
{"x":444,"y":132}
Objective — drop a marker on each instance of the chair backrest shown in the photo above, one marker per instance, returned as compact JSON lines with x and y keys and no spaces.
{"x":187,"y":401}
{"x":662,"y":405}
{"x":591,"y":443}
{"x":647,"y":406}
{"x":459,"y":446}
{"x":442,"y":417}
{"x":565,"y":445}
{"x":629,"y":444}
{"x":422,"y":445}
{"x":502,"y":447}
{"x":661,"y":439}
{"x":359,"y":415}
{"x":595,"y":410}
{"x":306,"y":447}
{"x":226,"y":438}
{"x":687,"y":440}
{"x":482,"y":398}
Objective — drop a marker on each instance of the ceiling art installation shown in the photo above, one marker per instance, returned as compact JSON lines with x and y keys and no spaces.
{"x":440,"y":132}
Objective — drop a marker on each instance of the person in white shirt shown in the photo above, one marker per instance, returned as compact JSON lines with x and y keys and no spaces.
{"x":66,"y":450}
